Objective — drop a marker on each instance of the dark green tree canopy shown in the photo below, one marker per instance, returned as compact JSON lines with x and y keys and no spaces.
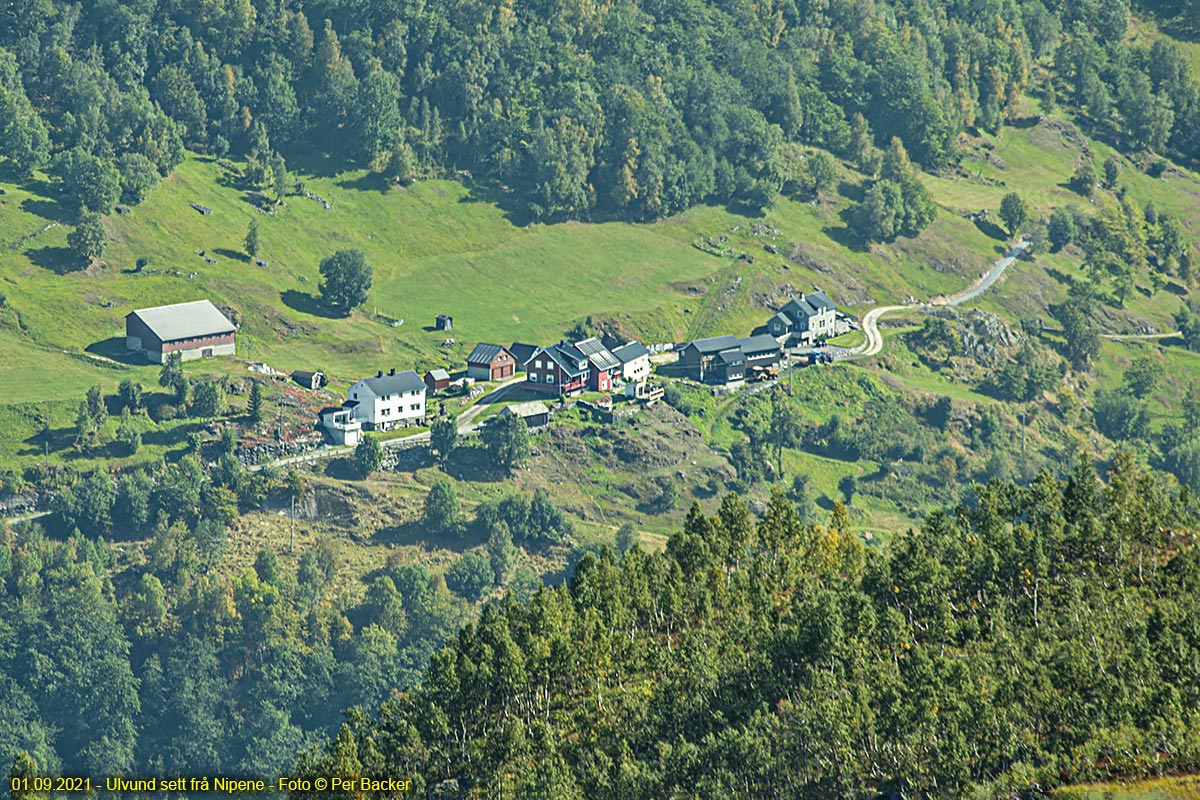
{"x":345,"y":280}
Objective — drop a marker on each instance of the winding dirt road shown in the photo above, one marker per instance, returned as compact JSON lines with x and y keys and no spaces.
{"x":870,"y":320}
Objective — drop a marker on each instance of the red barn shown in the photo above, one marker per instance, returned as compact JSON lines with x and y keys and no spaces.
{"x":194,"y":330}
{"x":490,"y":362}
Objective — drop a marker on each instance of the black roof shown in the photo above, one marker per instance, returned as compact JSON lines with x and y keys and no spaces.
{"x":484,"y":353}
{"x":568,"y":357}
{"x":762,"y":343}
{"x":731,"y":356}
{"x":807,"y":305}
{"x":714,"y":344}
{"x":631,"y":351}
{"x":522,"y":352}
{"x":401,"y":382}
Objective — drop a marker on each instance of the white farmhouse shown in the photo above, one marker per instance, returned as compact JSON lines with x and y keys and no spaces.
{"x":388,"y":401}
{"x":635,"y":362}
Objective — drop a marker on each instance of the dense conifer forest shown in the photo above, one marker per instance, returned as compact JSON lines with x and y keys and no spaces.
{"x":1037,"y":635}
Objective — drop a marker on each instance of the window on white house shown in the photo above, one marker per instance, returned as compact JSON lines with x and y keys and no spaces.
{"x":415,"y":407}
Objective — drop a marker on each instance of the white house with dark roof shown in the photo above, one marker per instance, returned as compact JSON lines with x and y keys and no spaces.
{"x":635,"y":362}
{"x":388,"y":401}
{"x":194,"y":330}
{"x":807,"y":318}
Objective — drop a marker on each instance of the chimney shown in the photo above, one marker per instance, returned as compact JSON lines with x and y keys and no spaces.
{"x":379,"y":374}
{"x":392,"y":371}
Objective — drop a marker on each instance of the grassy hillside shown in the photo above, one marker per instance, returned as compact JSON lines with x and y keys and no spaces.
{"x":438,"y":248}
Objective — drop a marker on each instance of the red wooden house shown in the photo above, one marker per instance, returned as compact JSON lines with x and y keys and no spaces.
{"x":557,"y":369}
{"x":605,"y":366}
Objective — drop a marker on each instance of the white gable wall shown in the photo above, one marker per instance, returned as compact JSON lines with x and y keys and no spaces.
{"x":389,"y":411}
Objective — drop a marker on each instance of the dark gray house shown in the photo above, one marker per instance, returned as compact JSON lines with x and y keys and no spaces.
{"x":725,"y":359}
{"x":807,"y":318}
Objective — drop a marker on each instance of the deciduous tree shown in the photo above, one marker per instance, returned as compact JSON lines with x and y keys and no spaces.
{"x":345,"y":280}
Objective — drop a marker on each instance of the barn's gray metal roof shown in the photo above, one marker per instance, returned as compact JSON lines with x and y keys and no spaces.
{"x":184,"y":320}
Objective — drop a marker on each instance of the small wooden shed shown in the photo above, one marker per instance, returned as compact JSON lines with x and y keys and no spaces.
{"x":309,"y":380}
{"x":437,"y":379}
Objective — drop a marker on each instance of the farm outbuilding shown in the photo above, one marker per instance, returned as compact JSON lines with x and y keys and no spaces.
{"x":443,"y":322}
{"x":490,"y":362}
{"x":437,"y":379}
{"x":535,"y":413}
{"x":194,"y":330}
{"x":309,"y":379}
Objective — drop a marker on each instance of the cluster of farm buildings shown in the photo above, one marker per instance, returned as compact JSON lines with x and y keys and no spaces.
{"x":397,"y":399}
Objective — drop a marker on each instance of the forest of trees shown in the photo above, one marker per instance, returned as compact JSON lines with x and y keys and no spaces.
{"x":172,"y":664}
{"x":635,"y":108}
{"x":1035,"y":635}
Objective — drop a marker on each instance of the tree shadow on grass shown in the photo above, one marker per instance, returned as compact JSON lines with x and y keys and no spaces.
{"x":170,"y":437}
{"x":846,"y":236}
{"x":990,"y":229}
{"x":851,"y":191}
{"x":59,"y":260}
{"x":53,"y":439}
{"x":304,"y":159}
{"x":1059,"y":276}
{"x":342,"y":469}
{"x":50,"y":210}
{"x":413,"y":533}
{"x":471,"y":463}
{"x":369,"y":182}
{"x":232,"y":254}
{"x":308,"y":304}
